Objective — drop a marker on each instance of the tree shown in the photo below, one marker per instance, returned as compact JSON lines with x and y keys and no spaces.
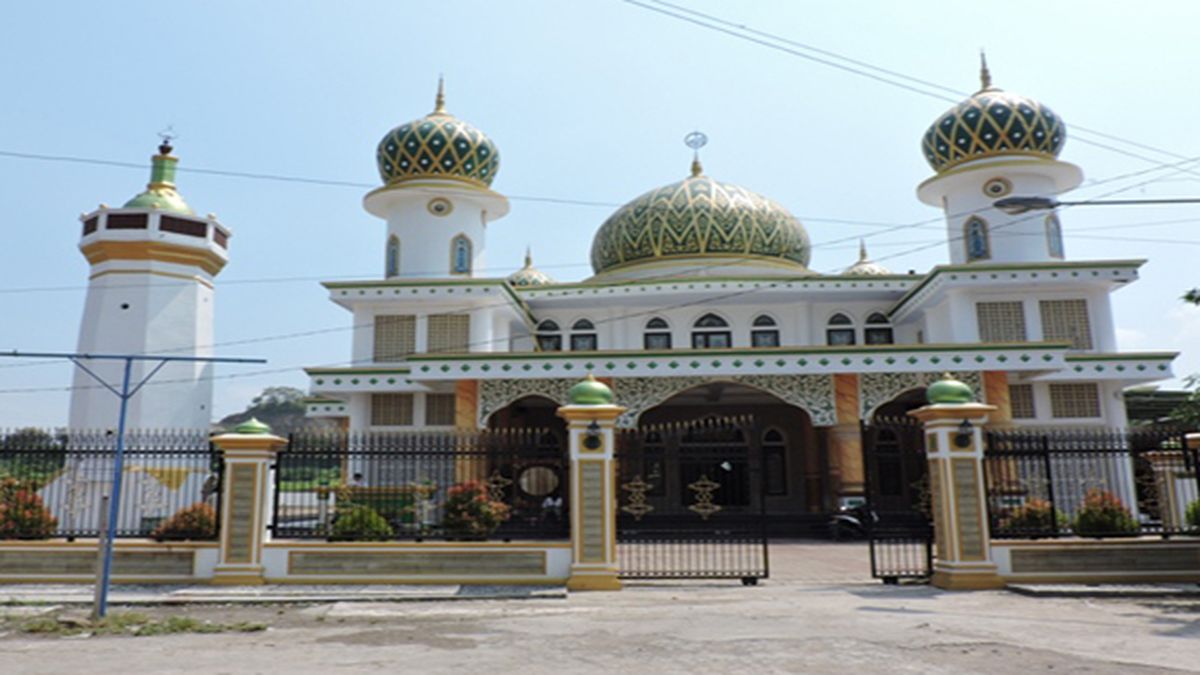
{"x":281,"y":408}
{"x":1192,"y":296}
{"x":1188,"y":412}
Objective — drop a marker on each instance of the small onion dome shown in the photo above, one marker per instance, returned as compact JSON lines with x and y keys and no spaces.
{"x":252,"y":427}
{"x":865,"y":267}
{"x":992,"y":123}
{"x":160,"y":192}
{"x":590,"y":391}
{"x":949,"y":390}
{"x":528,"y":276}
{"x":437,"y":145}
{"x":699,"y":217}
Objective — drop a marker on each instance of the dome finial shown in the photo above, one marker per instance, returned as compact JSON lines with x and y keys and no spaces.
{"x":862,"y":250}
{"x":985,"y":75}
{"x":528,"y":257}
{"x":439,"y":102}
{"x":695,"y":141}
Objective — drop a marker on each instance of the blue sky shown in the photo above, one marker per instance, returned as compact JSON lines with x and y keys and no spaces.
{"x":586,"y":101}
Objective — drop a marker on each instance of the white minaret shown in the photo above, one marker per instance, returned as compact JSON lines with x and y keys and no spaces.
{"x":437,"y":197}
{"x":993,"y":145}
{"x":150,"y":291}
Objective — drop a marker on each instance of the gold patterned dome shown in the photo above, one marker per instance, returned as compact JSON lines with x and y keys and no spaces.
{"x":699,"y":217}
{"x":528,"y":275}
{"x":437,"y":145}
{"x":992,"y":123}
{"x":865,"y":267}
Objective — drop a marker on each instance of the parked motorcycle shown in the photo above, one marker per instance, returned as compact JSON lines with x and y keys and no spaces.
{"x":851,"y":522}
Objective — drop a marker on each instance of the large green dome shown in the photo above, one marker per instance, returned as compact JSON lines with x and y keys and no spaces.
{"x":991,"y":123}
{"x":700,"y":217}
{"x":438,"y":145}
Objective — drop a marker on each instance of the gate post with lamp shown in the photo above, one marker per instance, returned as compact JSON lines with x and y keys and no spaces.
{"x":591,"y":416}
{"x":246,"y":497}
{"x":954,"y":448}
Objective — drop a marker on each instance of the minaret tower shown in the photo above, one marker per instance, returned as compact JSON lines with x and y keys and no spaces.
{"x":150,"y":291}
{"x":437,"y":197}
{"x":993,"y":145}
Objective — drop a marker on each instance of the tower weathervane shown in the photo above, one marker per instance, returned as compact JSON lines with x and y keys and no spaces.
{"x":167,"y":135}
{"x":695,"y":141}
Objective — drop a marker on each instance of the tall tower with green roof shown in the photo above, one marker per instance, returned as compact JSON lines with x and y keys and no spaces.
{"x":150,"y":291}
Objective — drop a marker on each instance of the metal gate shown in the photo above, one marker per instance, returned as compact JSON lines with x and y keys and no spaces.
{"x":897,"y":490}
{"x":690,"y":501}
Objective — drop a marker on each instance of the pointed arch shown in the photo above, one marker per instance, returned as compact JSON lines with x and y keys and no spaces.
{"x":391,"y":262}
{"x":976,"y":240}
{"x":462,"y":254}
{"x":1054,"y":238}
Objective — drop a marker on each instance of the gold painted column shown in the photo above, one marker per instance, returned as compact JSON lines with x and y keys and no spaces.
{"x":995,"y":392}
{"x":954,"y":447}
{"x":591,"y":417}
{"x":845,"y":439}
{"x":245,"y":502}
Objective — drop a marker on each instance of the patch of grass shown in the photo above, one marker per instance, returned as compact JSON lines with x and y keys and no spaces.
{"x":135,"y":624}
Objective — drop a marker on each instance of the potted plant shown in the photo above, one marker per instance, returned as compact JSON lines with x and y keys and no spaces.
{"x":471,"y":513}
{"x":1035,"y":518}
{"x":23,"y":514}
{"x":1103,"y":514}
{"x":361,"y":523}
{"x":198,"y":521}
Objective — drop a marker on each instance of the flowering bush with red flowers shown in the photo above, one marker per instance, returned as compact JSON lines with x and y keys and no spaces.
{"x":198,"y":521}
{"x":23,"y":515}
{"x":1103,"y":514}
{"x":470,"y":511}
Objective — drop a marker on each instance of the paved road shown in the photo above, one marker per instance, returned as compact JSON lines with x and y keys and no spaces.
{"x":831,"y":621}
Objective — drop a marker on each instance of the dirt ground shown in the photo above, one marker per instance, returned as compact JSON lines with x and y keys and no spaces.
{"x":817,"y":614}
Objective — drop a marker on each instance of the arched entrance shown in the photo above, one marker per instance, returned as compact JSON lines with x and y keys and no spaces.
{"x":792,"y":485}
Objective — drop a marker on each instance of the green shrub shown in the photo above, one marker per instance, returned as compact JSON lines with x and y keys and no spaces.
{"x":23,"y":515}
{"x":198,"y":521}
{"x":360,"y":523}
{"x":1103,"y":514}
{"x":1034,"y":517}
{"x":1193,"y":515}
{"x":471,"y":512}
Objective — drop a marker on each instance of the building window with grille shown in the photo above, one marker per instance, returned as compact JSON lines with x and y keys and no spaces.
{"x":1000,"y":321}
{"x":1066,"y":321}
{"x":878,"y":330}
{"x":391,"y":410}
{"x":548,"y":337}
{"x":765,"y":333}
{"x":395,"y":336}
{"x":439,"y":410}
{"x":976,"y":240}
{"x":707,"y":333}
{"x":1074,"y":400}
{"x":1020,"y":401}
{"x":392,"y":260}
{"x":583,"y":336}
{"x":774,"y":448}
{"x":449,"y":333}
{"x":460,"y":255}
{"x":657,"y":335}
{"x":840,"y":331}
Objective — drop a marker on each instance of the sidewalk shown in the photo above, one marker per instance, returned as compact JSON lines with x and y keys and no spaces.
{"x":78,"y":594}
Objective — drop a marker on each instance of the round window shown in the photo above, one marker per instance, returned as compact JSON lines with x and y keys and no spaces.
{"x":440,"y":206}
{"x":997,"y":187}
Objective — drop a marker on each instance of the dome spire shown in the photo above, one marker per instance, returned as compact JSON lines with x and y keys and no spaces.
{"x":439,"y":102}
{"x":695,"y":141}
{"x":985,"y":75}
{"x":528,"y":257}
{"x":862,"y":251}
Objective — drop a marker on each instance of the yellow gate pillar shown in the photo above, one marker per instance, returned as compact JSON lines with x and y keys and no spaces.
{"x":954,"y":447}
{"x":591,"y":417}
{"x":245,"y":502}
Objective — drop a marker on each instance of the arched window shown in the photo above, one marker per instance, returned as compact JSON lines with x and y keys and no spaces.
{"x":840,"y":331}
{"x":774,"y":448}
{"x":583,"y":336}
{"x":658,"y":334}
{"x":1054,"y":240}
{"x":975,"y":238}
{"x":878,"y":330}
{"x":391,"y":264}
{"x":764,"y":333}
{"x":460,"y":255}
{"x":548,"y":337}
{"x":707,"y":333}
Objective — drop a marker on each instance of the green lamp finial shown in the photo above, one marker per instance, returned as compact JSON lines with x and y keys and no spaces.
{"x":949,"y":390}
{"x":590,"y":391}
{"x":253,"y":427}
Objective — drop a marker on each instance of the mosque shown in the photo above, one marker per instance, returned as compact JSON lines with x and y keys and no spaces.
{"x":702,"y":303}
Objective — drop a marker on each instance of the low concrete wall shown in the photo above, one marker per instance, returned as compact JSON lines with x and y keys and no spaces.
{"x":409,"y":563}
{"x":1142,"y":560}
{"x":134,"y":562}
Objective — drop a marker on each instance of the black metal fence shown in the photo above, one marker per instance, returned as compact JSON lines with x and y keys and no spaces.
{"x":691,"y":501}
{"x":494,"y":484}
{"x":1091,"y":483}
{"x":899,"y":525}
{"x":51,"y":484}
